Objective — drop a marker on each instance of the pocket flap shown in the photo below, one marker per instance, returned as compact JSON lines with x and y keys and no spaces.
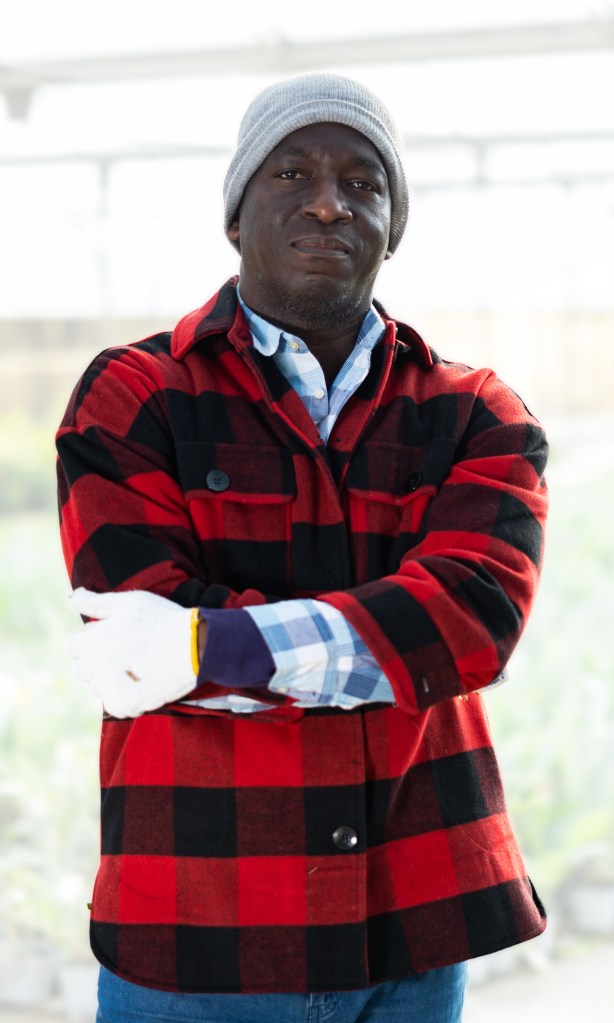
{"x":394,"y":472}
{"x":236,"y":471}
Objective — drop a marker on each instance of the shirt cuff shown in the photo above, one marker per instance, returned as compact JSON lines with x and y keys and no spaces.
{"x":235,"y":653}
{"x":319,"y":657}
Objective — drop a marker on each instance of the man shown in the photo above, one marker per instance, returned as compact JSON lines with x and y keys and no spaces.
{"x":308,"y":542}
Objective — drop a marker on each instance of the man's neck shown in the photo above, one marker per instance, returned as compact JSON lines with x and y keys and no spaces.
{"x":331,"y":346}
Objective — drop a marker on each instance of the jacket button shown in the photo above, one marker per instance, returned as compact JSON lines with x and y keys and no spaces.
{"x":345,"y":838}
{"x":413,"y":482}
{"x":217,"y":480}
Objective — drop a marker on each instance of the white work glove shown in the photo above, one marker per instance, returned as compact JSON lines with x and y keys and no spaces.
{"x":138,"y":655}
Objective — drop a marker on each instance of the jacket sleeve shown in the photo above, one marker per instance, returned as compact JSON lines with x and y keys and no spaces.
{"x":447,"y":620}
{"x":124,"y":520}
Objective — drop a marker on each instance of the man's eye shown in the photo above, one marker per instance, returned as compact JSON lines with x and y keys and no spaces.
{"x":290,"y":175}
{"x":368,"y":186}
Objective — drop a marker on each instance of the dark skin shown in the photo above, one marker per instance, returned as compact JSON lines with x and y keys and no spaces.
{"x":313,"y":229}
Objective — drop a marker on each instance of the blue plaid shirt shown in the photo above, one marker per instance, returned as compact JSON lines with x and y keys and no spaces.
{"x":319,"y":657}
{"x":303,"y":371}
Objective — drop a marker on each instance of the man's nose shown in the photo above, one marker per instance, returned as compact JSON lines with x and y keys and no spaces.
{"x":326,"y":202}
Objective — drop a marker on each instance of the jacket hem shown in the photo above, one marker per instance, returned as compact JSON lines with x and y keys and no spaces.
{"x":357,"y":985}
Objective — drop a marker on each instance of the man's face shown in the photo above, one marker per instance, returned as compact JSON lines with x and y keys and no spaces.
{"x":313,"y":227}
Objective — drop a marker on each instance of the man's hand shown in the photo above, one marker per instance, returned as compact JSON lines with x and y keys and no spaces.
{"x":138,"y":655}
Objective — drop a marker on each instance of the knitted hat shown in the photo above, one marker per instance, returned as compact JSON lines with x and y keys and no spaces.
{"x":312,"y":99}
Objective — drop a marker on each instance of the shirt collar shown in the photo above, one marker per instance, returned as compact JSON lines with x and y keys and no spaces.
{"x":267,"y":337}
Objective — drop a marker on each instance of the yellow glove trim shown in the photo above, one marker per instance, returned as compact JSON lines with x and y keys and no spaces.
{"x":194,"y":620}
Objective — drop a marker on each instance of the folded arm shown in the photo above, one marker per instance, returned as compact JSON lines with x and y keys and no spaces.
{"x":444,"y":623}
{"x":125,"y":527}
{"x":447,"y":620}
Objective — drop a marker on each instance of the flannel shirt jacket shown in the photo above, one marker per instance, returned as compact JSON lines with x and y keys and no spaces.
{"x":325,"y":849}
{"x":318,"y":657}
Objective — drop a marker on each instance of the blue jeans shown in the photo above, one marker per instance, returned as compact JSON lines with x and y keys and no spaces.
{"x":433,"y":997}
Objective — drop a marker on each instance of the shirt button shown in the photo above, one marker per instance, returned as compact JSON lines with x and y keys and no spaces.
{"x":318,"y":393}
{"x":345,"y":838}
{"x":217,"y":480}
{"x":294,"y":346}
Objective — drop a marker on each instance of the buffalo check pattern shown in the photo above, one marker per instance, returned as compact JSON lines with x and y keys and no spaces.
{"x":319,"y":657}
{"x":189,"y":466}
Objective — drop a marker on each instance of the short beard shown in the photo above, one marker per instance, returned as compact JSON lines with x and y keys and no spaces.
{"x":314,"y":309}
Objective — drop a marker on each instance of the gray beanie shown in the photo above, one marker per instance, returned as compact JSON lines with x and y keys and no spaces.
{"x":312,"y":99}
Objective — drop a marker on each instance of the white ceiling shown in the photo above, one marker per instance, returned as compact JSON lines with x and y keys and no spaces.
{"x":40,"y":30}
{"x":130,"y":109}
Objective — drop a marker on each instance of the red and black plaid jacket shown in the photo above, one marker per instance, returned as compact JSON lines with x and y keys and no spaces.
{"x":223,"y":867}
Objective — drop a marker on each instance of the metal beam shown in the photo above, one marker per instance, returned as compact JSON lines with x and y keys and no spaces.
{"x":283,"y":56}
{"x":110,"y":156}
{"x":177,"y":151}
{"x":508,"y":139}
{"x":106,"y":158}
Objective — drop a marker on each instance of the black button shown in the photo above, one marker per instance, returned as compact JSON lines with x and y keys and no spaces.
{"x":345,"y":838}
{"x":217,"y":480}
{"x":413,"y":482}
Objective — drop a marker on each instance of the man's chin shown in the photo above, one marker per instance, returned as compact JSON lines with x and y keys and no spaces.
{"x":321,"y":303}
{"x":310,"y":300}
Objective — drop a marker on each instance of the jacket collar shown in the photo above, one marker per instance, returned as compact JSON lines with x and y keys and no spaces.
{"x":222,"y":314}
{"x":408,"y":343}
{"x":217,"y":316}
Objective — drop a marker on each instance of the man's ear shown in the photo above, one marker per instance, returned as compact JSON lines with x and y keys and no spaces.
{"x":233,"y":231}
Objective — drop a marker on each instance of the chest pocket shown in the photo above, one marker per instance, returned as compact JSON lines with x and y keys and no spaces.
{"x":390,"y":487}
{"x":240,"y":498}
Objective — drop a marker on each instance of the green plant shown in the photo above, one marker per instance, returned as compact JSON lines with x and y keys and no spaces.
{"x":554,"y":726}
{"x":48,"y":734}
{"x":26,"y":465}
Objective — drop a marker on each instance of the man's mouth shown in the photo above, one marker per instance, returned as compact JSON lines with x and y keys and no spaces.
{"x":321,"y":245}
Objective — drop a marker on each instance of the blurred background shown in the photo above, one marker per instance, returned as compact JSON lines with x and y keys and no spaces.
{"x":117,"y":121}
